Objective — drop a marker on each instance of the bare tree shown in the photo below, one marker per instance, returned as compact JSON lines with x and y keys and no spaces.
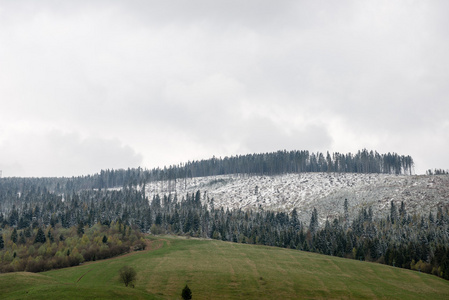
{"x":127,"y":275}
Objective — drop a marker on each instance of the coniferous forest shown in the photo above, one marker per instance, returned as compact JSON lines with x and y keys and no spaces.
{"x":57,"y":222}
{"x":274,"y":163}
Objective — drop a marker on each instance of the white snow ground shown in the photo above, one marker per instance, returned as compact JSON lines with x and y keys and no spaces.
{"x":324,"y":191}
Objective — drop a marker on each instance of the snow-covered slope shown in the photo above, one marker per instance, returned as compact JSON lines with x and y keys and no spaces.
{"x":324,"y":191}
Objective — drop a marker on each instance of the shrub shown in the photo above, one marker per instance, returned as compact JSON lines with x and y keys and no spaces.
{"x":127,"y":275}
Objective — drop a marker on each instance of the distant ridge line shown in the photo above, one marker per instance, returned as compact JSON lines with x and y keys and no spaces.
{"x":282,"y":162}
{"x":258,"y":164}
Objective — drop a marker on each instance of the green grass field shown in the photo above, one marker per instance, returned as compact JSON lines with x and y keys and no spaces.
{"x":220,"y":270}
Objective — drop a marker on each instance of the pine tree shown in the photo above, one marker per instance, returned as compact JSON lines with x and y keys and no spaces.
{"x":314,"y":221}
{"x":14,"y":236}
{"x":50,"y":236}
{"x":294,"y":219}
{"x":80,"y":229}
{"x":393,"y":213}
{"x":27,"y":232}
{"x":2,"y":243}
{"x":186,"y":293}
{"x":40,"y":236}
{"x":346,"y":210}
{"x":198,"y":198}
{"x":402,"y":211}
{"x":22,"y":239}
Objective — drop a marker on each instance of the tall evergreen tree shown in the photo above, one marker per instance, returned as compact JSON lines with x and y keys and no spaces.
{"x":80,"y":229}
{"x":14,"y":236}
{"x":314,"y":221}
{"x":40,"y":236}
{"x":186,"y":293}
{"x":393,"y":212}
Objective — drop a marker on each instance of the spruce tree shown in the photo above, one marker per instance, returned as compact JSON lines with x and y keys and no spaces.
{"x":186,"y":293}
{"x":22,"y":239}
{"x":50,"y":236}
{"x":14,"y":236}
{"x":40,"y":236}
{"x":314,"y":221}
{"x":80,"y":229}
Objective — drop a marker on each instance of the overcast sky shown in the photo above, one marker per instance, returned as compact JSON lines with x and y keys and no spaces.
{"x":91,"y":85}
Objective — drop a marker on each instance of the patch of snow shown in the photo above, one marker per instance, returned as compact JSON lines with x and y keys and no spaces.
{"x":324,"y":191}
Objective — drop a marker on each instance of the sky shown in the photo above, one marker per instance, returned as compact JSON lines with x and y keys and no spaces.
{"x":91,"y":85}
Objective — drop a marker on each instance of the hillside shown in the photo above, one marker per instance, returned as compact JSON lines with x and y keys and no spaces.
{"x":399,"y":220}
{"x":325,"y":191}
{"x":222,"y":270}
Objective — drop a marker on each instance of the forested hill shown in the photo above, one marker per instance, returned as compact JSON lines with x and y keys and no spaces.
{"x":274,"y":163}
{"x":321,"y":205}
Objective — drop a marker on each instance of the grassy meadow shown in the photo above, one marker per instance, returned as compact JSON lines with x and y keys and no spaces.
{"x":222,"y":270}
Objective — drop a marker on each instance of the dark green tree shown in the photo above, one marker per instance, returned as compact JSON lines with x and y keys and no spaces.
{"x":40,"y":236}
{"x":13,"y":217}
{"x":22,"y":239}
{"x":14,"y":236}
{"x":27,"y":232}
{"x":186,"y":293}
{"x":2,"y":243}
{"x":50,"y":236}
{"x":346,"y":210}
{"x":80,"y":229}
{"x":314,"y":221}
{"x":393,"y":213}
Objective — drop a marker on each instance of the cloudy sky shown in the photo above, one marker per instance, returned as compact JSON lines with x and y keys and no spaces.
{"x":91,"y":85}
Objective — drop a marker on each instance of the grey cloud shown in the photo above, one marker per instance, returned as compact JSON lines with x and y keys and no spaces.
{"x":221,"y":15}
{"x":263,"y":135}
{"x":59,"y":154}
{"x":191,"y":79}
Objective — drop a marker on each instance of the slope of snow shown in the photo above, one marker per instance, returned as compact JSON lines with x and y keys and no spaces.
{"x":324,"y":191}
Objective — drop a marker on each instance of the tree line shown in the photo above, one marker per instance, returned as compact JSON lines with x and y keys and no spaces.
{"x":437,"y":172}
{"x":40,"y":248}
{"x":273,"y":163}
{"x":282,"y":162}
